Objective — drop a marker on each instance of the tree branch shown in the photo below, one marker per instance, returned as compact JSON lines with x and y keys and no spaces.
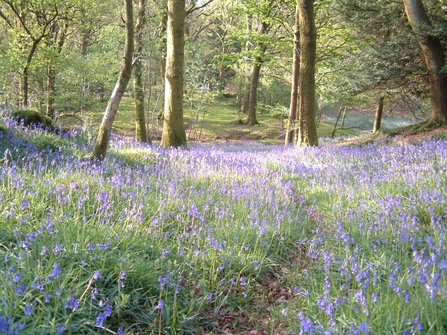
{"x":193,"y":8}
{"x":3,"y":16}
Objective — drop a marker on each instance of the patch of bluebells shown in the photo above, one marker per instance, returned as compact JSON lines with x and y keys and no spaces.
{"x":388,"y":240}
{"x":226,"y":209}
{"x":8,"y":326}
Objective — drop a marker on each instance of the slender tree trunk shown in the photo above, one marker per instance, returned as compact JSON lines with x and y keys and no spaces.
{"x":59,"y":34}
{"x":222,"y":70}
{"x":174,"y":134}
{"x":378,"y":116}
{"x":246,"y":96}
{"x":140,"y":121}
{"x":334,"y":129}
{"x":308,"y":42}
{"x":25,"y":73}
{"x":102,"y":141}
{"x":256,"y":70}
{"x":290,"y":132}
{"x":163,"y":48}
{"x":51,"y":89}
{"x":434,"y":59}
{"x":343,"y":118}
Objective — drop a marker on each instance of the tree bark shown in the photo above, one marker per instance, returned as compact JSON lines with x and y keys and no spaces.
{"x":378,"y":116}
{"x":174,"y":134}
{"x":256,"y":70}
{"x":25,"y":73}
{"x":334,"y":129}
{"x":253,"y":100}
{"x":246,"y":97}
{"x":59,"y":34}
{"x":140,"y":120}
{"x":102,"y":141}
{"x":434,"y":59}
{"x":307,"y":135}
{"x":290,"y":132}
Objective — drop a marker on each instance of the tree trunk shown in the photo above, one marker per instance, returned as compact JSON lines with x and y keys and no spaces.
{"x":434,"y":59}
{"x":334,"y":129}
{"x":140,"y":121}
{"x":174,"y":134}
{"x":308,"y":37}
{"x":378,"y":116}
{"x":25,"y":73}
{"x":59,"y":34}
{"x":290,"y":132}
{"x":343,"y":118}
{"x":222,"y":70}
{"x":246,"y":98}
{"x":163,"y":48}
{"x":51,"y":89}
{"x":256,"y":70}
{"x":252,"y":101}
{"x":102,"y":141}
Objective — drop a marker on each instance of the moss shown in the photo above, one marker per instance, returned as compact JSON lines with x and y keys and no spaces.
{"x":30,"y":117}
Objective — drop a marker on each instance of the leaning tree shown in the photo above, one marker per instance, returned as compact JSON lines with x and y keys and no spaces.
{"x":105,"y":130}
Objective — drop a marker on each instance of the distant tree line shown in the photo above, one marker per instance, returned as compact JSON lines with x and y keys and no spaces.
{"x":64,"y":57}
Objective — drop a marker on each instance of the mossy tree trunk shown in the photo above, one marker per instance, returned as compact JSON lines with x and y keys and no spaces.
{"x":434,"y":59}
{"x":140,"y":120}
{"x":307,"y":135}
{"x":174,"y":134}
{"x":102,"y":141}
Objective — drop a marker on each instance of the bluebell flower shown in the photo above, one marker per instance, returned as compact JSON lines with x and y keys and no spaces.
{"x":16,"y":277}
{"x":29,"y":309}
{"x":19,"y":289}
{"x":60,"y":328}
{"x":160,"y":304}
{"x":94,"y":293}
{"x":56,"y":270}
{"x":73,"y":302}
{"x":57,"y":248}
{"x":97,"y":275}
{"x":103,"y":315}
{"x":47,"y":297}
{"x":306,"y":324}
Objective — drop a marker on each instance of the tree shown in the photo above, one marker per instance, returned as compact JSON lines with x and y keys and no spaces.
{"x":55,"y":42}
{"x":140,"y":121}
{"x":31,"y":23}
{"x":434,"y":58}
{"x":174,"y":134}
{"x":102,"y":141}
{"x":264,"y":12}
{"x":308,"y":42}
{"x":378,"y":115}
{"x":290,"y":133}
{"x":255,"y":73}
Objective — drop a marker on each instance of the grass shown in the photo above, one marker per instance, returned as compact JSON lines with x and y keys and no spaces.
{"x":213,"y":119}
{"x":223,"y":238}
